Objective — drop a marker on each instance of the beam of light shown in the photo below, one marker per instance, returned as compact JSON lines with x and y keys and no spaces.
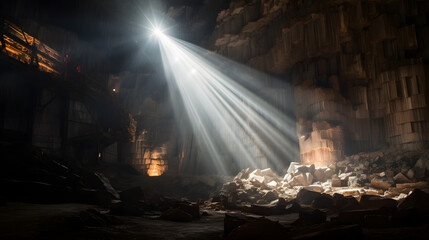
{"x":158,"y":32}
{"x":222,"y":101}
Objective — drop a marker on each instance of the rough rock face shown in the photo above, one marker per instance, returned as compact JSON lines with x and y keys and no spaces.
{"x":358,"y":67}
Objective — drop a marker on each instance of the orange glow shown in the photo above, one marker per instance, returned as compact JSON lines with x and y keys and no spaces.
{"x":150,"y":160}
{"x":48,"y":59}
{"x":154,"y":170}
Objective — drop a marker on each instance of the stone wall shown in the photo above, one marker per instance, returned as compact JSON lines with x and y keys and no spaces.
{"x":152,"y":146}
{"x":358,"y":68}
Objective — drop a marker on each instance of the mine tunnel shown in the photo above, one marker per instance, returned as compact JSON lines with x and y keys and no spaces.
{"x":214,"y":119}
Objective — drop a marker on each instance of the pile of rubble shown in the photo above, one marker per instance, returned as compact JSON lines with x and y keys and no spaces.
{"x":377,"y":191}
{"x":322,"y":216}
{"x":389,"y":173}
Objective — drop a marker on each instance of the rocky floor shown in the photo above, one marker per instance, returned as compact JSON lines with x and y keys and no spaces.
{"x":68,"y":221}
{"x":366,"y":196}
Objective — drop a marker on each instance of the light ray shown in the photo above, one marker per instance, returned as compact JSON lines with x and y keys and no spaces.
{"x":228,"y":117}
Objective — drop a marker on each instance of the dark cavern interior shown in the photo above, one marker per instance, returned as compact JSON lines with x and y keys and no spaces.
{"x":214,"y":119}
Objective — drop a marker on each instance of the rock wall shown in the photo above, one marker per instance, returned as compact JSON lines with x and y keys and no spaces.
{"x":358,"y":67}
{"x":152,"y":146}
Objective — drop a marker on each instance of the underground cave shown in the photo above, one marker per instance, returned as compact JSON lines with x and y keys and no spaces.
{"x":214,"y":119}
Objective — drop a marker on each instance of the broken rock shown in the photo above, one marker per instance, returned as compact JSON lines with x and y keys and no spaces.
{"x":303,"y":179}
{"x":353,"y":181}
{"x":378,"y":182}
{"x":319,"y":174}
{"x":423,"y":162}
{"x":323,"y":201}
{"x":418,"y":200}
{"x":298,"y":180}
{"x":107,"y":186}
{"x":243,"y":174}
{"x":288,"y":177}
{"x":305,"y":196}
{"x":410,"y":174}
{"x":418,"y":185}
{"x":401,"y":178}
{"x":292,"y":167}
{"x":376,"y":202}
{"x":345,"y":203}
{"x":268,"y":173}
{"x":271,"y":196}
{"x":336,"y":181}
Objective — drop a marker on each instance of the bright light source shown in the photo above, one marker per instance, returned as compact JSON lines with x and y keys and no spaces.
{"x":114,"y":89}
{"x":158,"y":32}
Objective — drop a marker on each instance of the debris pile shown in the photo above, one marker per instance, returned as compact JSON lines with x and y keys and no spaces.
{"x":390,"y":173}
{"x":322,"y":216}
